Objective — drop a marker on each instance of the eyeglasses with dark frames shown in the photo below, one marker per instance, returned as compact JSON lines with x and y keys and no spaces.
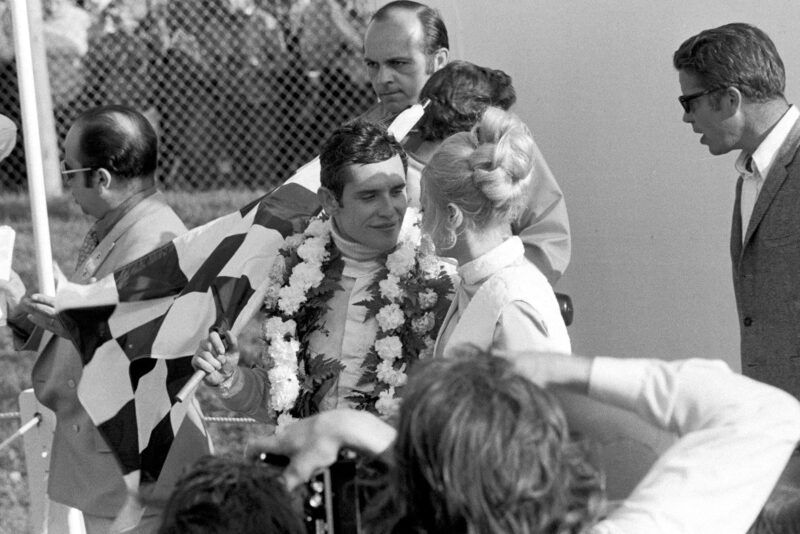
{"x":686,"y":100}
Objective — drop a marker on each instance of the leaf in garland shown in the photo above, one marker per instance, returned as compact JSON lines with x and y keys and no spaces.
{"x":363,"y":401}
{"x":331,"y":282}
{"x":321,"y":376}
{"x":321,"y":368}
{"x":375,"y":302}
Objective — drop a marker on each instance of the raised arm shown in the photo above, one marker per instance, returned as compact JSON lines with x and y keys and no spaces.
{"x":241,"y":389}
{"x":736,"y":436}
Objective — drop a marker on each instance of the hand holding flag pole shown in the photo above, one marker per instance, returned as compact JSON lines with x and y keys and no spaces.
{"x":224,"y":329}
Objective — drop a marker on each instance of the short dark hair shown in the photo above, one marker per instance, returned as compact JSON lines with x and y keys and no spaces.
{"x":734,"y":55}
{"x":224,"y":494}
{"x":433,"y":28}
{"x":459,"y":93}
{"x":356,"y":143}
{"x":119,"y":139}
{"x":482,"y":449}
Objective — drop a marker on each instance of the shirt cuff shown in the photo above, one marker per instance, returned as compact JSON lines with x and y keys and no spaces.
{"x":232,"y":385}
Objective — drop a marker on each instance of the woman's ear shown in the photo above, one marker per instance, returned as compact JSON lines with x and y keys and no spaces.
{"x":328,"y":201}
{"x":454,"y":216}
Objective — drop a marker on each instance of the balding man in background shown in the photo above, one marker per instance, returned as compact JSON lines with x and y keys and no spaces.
{"x":405,"y":43}
{"x":109,"y":167}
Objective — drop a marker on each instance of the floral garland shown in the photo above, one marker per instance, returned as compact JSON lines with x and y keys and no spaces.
{"x":410,"y":297}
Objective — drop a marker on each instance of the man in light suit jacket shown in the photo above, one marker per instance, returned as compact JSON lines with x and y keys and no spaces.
{"x":732,"y":82}
{"x":109,"y":167}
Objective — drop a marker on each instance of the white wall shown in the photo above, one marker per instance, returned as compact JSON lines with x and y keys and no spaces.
{"x":650,"y":208}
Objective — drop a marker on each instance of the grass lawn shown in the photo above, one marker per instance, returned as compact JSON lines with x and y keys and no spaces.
{"x":68,"y":227}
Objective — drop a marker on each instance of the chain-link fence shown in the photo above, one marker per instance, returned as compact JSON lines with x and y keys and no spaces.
{"x":242,"y":91}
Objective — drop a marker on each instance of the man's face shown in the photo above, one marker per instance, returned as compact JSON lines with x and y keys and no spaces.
{"x":81,"y":184}
{"x":713,"y":121}
{"x":373,"y":204}
{"x":395,"y":61}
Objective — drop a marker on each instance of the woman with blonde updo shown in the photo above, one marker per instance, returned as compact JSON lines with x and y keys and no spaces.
{"x":474,"y":186}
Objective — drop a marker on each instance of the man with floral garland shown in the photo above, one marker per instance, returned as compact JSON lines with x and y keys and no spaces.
{"x":352,"y":301}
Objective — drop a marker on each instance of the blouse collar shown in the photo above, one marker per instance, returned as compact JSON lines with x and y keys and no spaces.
{"x":507,"y":253}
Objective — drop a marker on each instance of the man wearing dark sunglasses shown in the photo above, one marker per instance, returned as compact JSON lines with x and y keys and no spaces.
{"x":732,"y":83}
{"x":109,"y":167}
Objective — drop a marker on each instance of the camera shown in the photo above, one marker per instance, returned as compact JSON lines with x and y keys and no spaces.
{"x":331,"y":499}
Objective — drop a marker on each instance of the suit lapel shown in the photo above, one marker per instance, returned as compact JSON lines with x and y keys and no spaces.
{"x":774,"y":181}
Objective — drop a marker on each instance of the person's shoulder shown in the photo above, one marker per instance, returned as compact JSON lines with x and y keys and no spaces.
{"x":156,"y":206}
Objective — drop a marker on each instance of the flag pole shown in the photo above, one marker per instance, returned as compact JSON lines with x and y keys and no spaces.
{"x":33,"y":147}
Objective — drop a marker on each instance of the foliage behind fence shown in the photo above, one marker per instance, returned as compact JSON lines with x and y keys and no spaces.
{"x":243,"y":91}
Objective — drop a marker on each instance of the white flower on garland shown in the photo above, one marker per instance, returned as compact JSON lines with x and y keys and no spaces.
{"x":389,"y":348}
{"x":390,"y":317}
{"x":401,"y":261}
{"x":284,"y":352}
{"x":276,"y":328}
{"x":293,"y":241}
{"x":313,"y":250}
{"x":388,"y":374}
{"x":276,"y":272}
{"x":423,"y":325}
{"x":390,"y":288}
{"x":284,"y":387}
{"x":387,"y":404}
{"x":290,"y":299}
{"x":412,"y":234}
{"x":306,"y":275}
{"x":427,"y":299}
{"x":317,"y":228}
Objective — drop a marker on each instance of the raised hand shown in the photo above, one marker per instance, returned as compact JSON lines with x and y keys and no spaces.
{"x":313,"y":443}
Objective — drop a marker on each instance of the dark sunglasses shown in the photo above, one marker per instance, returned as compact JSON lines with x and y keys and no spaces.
{"x":686,"y":100}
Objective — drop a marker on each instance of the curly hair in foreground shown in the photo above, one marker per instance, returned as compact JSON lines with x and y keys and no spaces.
{"x":220,"y":495}
{"x":482,"y":450}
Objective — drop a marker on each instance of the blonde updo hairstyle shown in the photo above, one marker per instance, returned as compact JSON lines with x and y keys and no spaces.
{"x":485,"y":172}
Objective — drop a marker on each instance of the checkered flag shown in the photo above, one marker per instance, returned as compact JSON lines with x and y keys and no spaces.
{"x":137,"y":329}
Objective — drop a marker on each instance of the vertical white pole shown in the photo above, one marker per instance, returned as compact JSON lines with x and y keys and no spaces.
{"x":33,"y":148}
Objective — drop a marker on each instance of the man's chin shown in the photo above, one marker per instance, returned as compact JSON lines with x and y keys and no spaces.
{"x":394,"y":107}
{"x":385,"y":245}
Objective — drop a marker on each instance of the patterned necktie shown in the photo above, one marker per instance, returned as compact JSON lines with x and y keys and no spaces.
{"x":88,"y":246}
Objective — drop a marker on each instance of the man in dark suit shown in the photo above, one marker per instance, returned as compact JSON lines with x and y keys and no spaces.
{"x":732,"y":82}
{"x":109,"y":166}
